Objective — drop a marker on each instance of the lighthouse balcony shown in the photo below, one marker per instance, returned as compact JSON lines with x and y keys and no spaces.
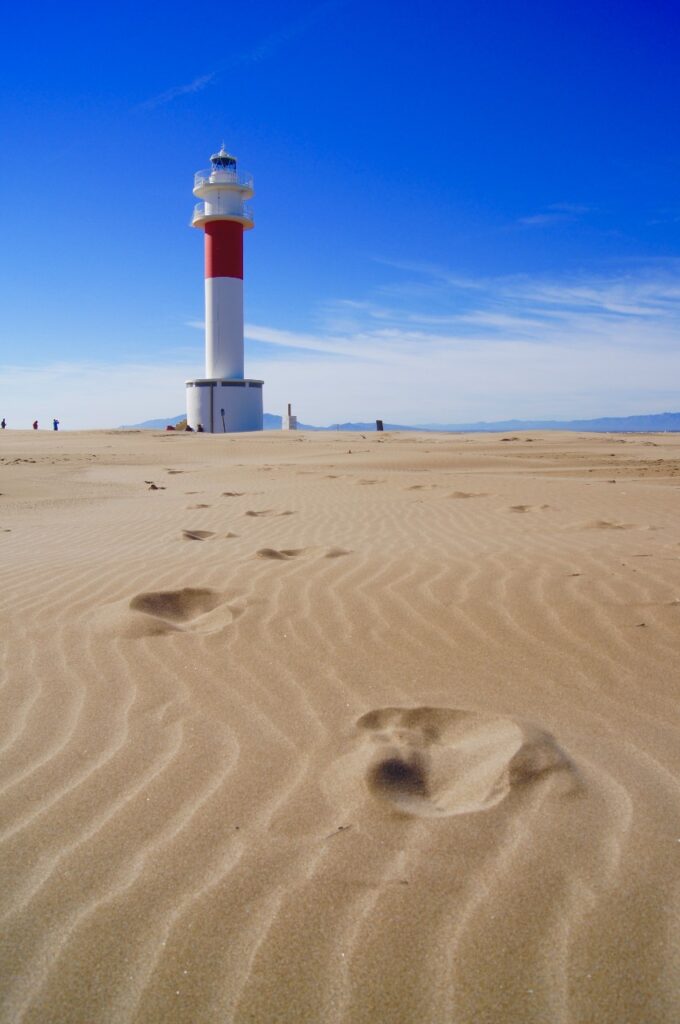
{"x":204,"y":212}
{"x":214,"y":178}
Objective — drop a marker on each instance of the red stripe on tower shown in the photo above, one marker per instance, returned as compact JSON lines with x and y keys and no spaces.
{"x":224,"y":249}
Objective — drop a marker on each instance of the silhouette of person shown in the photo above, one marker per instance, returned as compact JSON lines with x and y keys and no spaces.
{"x":4,"y":423}
{"x":55,"y":424}
{"x":35,"y":424}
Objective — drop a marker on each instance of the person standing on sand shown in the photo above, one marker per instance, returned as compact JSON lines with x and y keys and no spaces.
{"x":35,"y":424}
{"x":55,"y":424}
{"x":4,"y":423}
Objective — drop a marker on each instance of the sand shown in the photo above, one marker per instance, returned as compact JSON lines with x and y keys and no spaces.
{"x":339,"y":728}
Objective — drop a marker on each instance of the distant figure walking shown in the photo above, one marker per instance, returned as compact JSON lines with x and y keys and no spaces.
{"x":4,"y":423}
{"x":199,"y":429}
{"x":55,"y":424}
{"x":35,"y":424}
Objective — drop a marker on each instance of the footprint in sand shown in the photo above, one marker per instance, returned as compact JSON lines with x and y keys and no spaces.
{"x":157,"y":613}
{"x":606,"y":524}
{"x":197,"y":534}
{"x":439,"y":762}
{"x":191,"y":609}
{"x":197,"y":506}
{"x":268,"y":512}
{"x":282,"y":555}
{"x":366,"y":482}
{"x":233,"y":494}
{"x":520,"y":508}
{"x":468,"y":494}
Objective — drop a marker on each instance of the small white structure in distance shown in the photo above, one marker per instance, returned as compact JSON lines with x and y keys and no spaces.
{"x":224,"y":400}
{"x":289,"y":422}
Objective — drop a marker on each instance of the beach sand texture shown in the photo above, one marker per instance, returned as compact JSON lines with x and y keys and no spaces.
{"x":339,"y":729}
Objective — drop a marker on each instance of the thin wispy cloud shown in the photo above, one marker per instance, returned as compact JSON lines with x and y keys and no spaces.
{"x":262,"y":50}
{"x":542,"y":219}
{"x":575,"y":208}
{"x":620,"y":312}
{"x":555,"y":213}
{"x":169,"y":95}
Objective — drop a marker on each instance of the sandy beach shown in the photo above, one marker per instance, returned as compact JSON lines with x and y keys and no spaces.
{"x":339,"y":728}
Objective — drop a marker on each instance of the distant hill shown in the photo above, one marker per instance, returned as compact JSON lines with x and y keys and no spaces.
{"x":653,"y":423}
{"x":154,"y":424}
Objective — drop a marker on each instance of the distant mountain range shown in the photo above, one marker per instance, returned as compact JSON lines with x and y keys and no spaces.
{"x":654,"y":423}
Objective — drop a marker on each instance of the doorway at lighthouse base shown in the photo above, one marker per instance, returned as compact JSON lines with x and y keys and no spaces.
{"x":224,"y":406}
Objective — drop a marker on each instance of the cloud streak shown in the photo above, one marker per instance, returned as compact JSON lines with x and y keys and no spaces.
{"x":555,"y":213}
{"x":169,"y":95}
{"x":262,"y":50}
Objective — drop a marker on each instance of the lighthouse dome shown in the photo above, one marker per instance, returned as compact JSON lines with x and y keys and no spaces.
{"x":223,"y":161}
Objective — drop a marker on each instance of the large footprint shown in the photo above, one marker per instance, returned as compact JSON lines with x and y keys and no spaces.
{"x":435,"y":762}
{"x":156,"y":613}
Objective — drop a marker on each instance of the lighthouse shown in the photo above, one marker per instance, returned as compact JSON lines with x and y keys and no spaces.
{"x":224,"y":400}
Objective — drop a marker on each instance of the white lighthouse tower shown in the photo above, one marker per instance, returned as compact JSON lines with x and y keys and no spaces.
{"x":224,"y":400}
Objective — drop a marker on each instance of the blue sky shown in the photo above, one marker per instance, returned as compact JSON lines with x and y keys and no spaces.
{"x":463,"y":210}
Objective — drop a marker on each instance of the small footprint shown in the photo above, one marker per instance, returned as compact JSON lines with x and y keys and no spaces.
{"x":268,"y":512}
{"x":280,"y":555}
{"x":197,"y":534}
{"x":606,"y":524}
{"x":468,"y":494}
{"x":520,"y":508}
{"x":198,"y":506}
{"x":232,"y":494}
{"x":336,"y":553}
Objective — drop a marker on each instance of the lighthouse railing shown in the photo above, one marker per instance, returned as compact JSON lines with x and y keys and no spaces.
{"x":245,"y":213}
{"x":210,"y":176}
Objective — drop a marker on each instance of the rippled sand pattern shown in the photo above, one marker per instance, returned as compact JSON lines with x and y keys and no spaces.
{"x":328,"y":746}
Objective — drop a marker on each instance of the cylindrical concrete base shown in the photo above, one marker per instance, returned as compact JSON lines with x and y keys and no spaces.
{"x":224,"y":406}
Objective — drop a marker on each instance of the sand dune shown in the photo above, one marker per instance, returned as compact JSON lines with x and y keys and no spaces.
{"x":339,"y":748}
